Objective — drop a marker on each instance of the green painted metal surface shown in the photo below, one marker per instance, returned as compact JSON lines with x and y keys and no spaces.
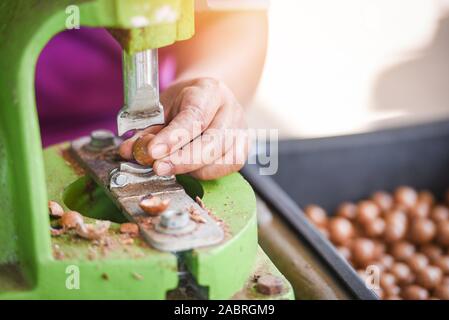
{"x":143,"y":272}
{"x":25,"y":27}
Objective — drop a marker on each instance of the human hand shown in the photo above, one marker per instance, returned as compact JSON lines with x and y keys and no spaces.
{"x":206,"y":134}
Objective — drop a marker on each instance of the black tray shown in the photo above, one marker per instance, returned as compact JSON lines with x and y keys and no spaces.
{"x":328,"y":171}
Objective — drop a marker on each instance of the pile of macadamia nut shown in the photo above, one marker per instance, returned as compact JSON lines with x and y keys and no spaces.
{"x":404,"y":234}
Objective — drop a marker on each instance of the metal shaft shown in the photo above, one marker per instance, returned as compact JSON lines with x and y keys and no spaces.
{"x":141,"y":90}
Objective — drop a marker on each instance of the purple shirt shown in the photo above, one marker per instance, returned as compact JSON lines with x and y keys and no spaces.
{"x":79,"y":84}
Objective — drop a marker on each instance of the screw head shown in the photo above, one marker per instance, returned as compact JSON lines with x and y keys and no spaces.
{"x":174,"y":219}
{"x":101,"y":138}
{"x":120,"y":179}
{"x":269,"y":285}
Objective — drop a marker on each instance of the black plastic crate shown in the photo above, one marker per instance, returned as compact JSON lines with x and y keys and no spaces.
{"x":328,"y":171}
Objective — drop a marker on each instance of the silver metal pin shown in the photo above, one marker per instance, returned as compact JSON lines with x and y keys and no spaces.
{"x":141,"y":89}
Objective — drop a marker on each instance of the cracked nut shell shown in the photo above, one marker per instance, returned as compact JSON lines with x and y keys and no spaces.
{"x":71,"y":219}
{"x":55,"y":209}
{"x":153,"y":205}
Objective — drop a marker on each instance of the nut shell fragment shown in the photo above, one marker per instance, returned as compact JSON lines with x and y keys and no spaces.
{"x":56,"y":232}
{"x":153,"y":205}
{"x":55,"y":209}
{"x":71,"y":219}
{"x":129,"y":228}
{"x":93,"y":231}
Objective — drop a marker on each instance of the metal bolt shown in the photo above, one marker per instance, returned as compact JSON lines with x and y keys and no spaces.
{"x":120,"y":179}
{"x":269,"y":285}
{"x":101,"y":139}
{"x":174,"y":219}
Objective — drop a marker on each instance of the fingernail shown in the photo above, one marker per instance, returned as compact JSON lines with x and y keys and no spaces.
{"x":159,"y":150}
{"x":163,"y":169}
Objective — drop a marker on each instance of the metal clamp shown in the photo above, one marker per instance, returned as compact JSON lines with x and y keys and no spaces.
{"x":127,"y":183}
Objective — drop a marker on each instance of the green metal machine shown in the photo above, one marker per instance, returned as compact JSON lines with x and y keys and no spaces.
{"x":34,"y":265}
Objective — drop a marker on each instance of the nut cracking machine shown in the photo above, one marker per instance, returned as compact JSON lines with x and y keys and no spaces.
{"x":218,"y":258}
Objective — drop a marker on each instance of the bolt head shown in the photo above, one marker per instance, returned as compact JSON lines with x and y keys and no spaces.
{"x":101,"y":139}
{"x":120,"y":179}
{"x":174,"y":219}
{"x":269,"y":285}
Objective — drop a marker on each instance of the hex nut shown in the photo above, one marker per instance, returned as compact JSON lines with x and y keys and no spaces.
{"x":269,"y":285}
{"x":101,"y":139}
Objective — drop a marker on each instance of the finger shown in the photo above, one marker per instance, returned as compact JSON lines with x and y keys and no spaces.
{"x":205,"y":149}
{"x":198,"y":107}
{"x":231,"y":162}
{"x":216,"y":170}
{"x":126,"y":148}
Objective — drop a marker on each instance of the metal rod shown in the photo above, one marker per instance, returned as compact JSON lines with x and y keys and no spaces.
{"x":140,"y":75}
{"x":141,"y":91}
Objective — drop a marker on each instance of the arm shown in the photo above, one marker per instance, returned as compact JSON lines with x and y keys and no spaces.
{"x":218,"y":70}
{"x":229,"y":47}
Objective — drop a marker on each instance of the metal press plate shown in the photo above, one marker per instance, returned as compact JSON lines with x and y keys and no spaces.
{"x":100,"y":163}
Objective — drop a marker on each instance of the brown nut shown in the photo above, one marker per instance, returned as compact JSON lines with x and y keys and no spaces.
{"x":347,"y":210}
{"x":71,"y":219}
{"x":429,"y":277}
{"x":55,"y":209}
{"x":383,"y":200}
{"x":422,"y":230}
{"x":402,"y":250}
{"x":340,"y":230}
{"x":375,"y":228}
{"x":442,"y":291}
{"x":419,"y":210}
{"x":417,"y":262}
{"x":426,"y":197}
{"x":406,"y":196}
{"x":387,"y":280}
{"x":316,"y":215}
{"x":392,"y":291}
{"x":414,"y":292}
{"x":363,"y":252}
{"x":140,"y":150}
{"x":439,"y":213}
{"x":402,"y":273}
{"x":379,"y":249}
{"x":367,"y":211}
{"x":387,"y":261}
{"x":153,"y":205}
{"x":269,"y":285}
{"x":395,"y":226}
{"x":443,"y":233}
{"x":129,"y":228}
{"x":432,"y":251}
{"x":443,"y":263}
